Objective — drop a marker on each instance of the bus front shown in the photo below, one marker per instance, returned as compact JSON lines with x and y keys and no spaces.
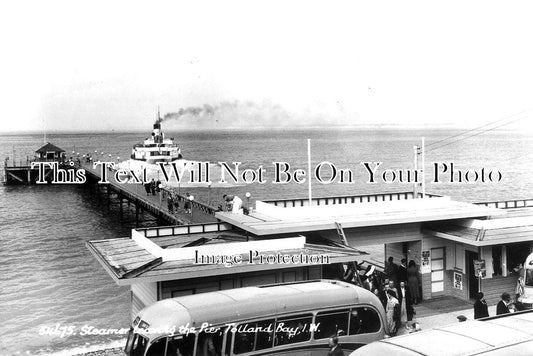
{"x":526,"y":279}
{"x":154,"y":332}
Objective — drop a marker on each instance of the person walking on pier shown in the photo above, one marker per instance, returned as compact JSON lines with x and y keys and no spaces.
{"x":152,"y":186}
{"x":187,"y":204}
{"x":170,"y":203}
{"x":176,"y":199}
{"x":147,"y":188}
{"x":233,"y":203}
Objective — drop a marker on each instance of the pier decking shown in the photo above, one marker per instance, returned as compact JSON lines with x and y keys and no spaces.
{"x":155,"y":205}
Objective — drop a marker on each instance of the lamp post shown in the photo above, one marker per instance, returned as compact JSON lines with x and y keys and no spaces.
{"x":209,"y":193}
{"x":248,"y":195}
{"x":160,"y":195}
{"x":191,"y":198}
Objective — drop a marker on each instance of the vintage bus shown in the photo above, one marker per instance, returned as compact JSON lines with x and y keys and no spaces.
{"x":507,"y":334}
{"x":285,"y":319}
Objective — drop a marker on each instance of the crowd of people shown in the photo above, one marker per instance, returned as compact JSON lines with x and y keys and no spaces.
{"x":231,"y":203}
{"x":504,"y":306}
{"x":397,"y":288}
{"x":173,"y":201}
{"x":152,"y":187}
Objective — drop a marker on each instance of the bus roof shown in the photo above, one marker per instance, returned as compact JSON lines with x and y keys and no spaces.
{"x":468,"y":338}
{"x":221,"y":307}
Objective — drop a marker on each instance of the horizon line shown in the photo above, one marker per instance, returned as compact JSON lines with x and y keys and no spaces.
{"x":261,"y":128}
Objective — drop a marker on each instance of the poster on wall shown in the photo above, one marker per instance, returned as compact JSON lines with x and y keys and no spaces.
{"x":458,"y":280}
{"x":426,"y":262}
{"x":479,"y":268}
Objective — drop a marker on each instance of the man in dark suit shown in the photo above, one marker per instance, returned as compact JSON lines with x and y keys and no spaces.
{"x":404,"y":294}
{"x":402,"y":271}
{"x":481,"y":309}
{"x":391,"y":270}
{"x":335,"y":348}
{"x":503,"y":305}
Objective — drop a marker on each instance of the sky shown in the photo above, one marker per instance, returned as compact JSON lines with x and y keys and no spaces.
{"x":108,"y":65}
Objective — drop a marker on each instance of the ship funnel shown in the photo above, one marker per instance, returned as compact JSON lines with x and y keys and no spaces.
{"x":158,"y":136}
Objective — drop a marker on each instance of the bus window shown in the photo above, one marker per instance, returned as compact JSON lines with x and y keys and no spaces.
{"x":331,"y":323}
{"x":254,"y":336}
{"x":138,"y":345}
{"x":180,"y":345}
{"x":529,"y":278}
{"x":364,"y":320}
{"x":209,"y":344}
{"x":264,"y":338}
{"x":244,"y":340}
{"x":157,"y":348}
{"x":292,"y":329}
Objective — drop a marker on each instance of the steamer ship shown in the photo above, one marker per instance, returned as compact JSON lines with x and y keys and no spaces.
{"x":157,"y":148}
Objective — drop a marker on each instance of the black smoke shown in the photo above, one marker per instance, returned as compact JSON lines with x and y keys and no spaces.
{"x":194,"y":111}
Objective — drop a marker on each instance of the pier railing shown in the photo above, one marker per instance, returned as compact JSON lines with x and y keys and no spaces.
{"x":21,"y":162}
{"x":194,"y":204}
{"x":347,"y":199}
{"x":183,"y":229}
{"x":508,"y":204}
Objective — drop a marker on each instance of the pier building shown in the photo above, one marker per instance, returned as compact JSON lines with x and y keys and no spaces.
{"x":50,"y":153}
{"x":160,"y":262}
{"x":21,"y":171}
{"x":165,"y":262}
{"x":500,"y":242}
{"x":445,"y":238}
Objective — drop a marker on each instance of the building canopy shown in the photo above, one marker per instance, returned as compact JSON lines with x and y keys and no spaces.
{"x":515,"y":226}
{"x":149,"y":259}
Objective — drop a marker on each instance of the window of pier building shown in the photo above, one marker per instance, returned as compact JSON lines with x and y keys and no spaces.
{"x":507,"y":258}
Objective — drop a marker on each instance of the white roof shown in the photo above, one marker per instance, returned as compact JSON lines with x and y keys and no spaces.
{"x":269,"y":219}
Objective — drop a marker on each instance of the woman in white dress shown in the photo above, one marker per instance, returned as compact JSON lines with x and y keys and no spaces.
{"x":393,"y":312}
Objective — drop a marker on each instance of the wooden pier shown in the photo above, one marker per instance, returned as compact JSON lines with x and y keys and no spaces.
{"x":115,"y":193}
{"x":155,"y":205}
{"x":21,"y":172}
